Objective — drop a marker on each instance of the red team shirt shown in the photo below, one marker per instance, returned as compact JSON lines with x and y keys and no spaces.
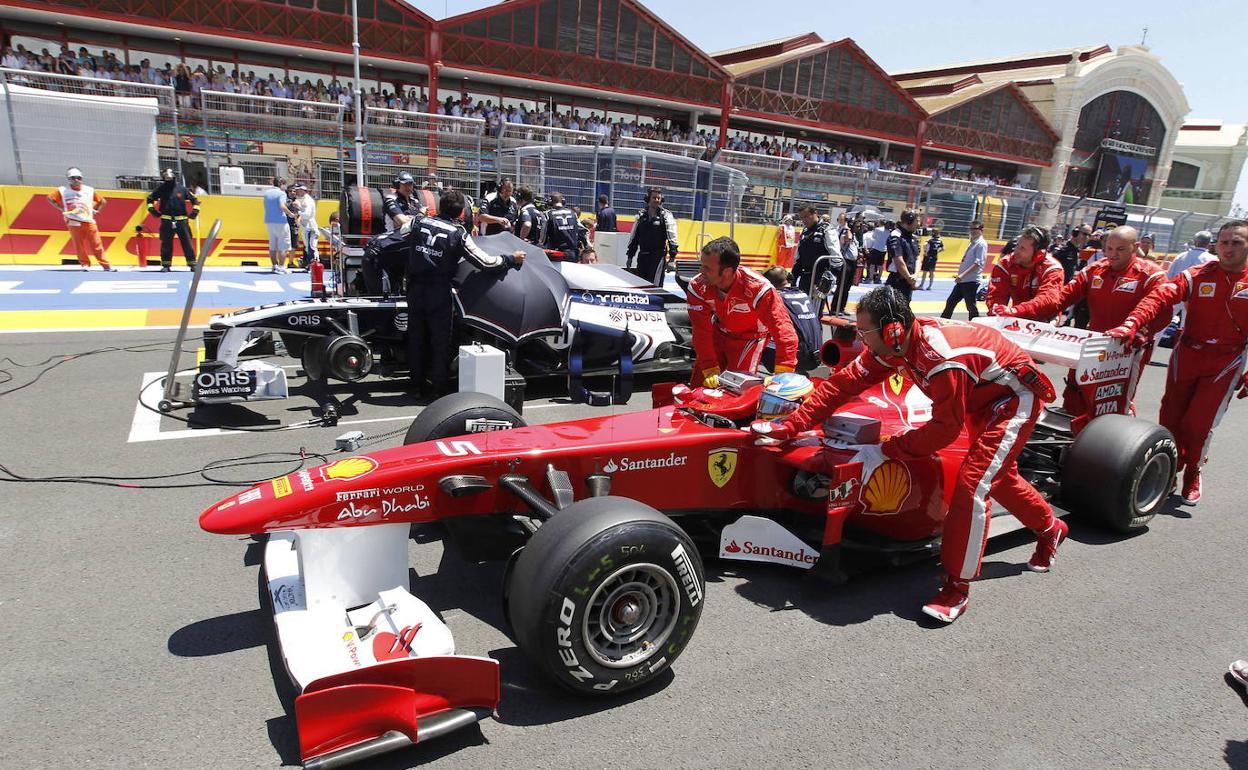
{"x":1217,"y":306}
{"x":1111,"y":295}
{"x":962,"y":367}
{"x":750,"y":310}
{"x":1011,"y":284}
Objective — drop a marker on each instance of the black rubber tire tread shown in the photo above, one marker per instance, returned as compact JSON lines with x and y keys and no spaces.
{"x":313,"y":358}
{"x":542,"y":571}
{"x":1101,"y":469}
{"x":353,"y":222}
{"x":445,"y":417}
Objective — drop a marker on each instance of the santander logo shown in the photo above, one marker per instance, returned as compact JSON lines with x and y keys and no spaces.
{"x":732,"y":547}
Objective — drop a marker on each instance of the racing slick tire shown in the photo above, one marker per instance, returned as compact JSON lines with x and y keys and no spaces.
{"x":461,"y":414}
{"x":1119,"y":471}
{"x":606,"y":594}
{"x":362,"y":211}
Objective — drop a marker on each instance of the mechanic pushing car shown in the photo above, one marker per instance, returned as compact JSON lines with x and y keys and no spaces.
{"x":1026,"y":273}
{"x":1207,"y":364}
{"x":1113,"y":287}
{"x":976,"y":379}
{"x":734,"y":310}
{"x":654,"y":240}
{"x":435,"y":247}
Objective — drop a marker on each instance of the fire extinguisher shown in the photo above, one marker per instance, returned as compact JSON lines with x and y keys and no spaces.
{"x":317,"y":272}
{"x":140,"y":245}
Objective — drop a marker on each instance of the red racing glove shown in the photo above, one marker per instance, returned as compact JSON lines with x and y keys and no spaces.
{"x":1124,"y":333}
{"x":1005,"y":311}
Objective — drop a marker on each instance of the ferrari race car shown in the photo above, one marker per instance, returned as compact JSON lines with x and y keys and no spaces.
{"x":604,"y":522}
{"x":551,"y":318}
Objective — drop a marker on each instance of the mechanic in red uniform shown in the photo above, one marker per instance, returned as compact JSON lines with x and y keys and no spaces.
{"x":1208,"y":361}
{"x":733,"y":311}
{"x":976,"y":378}
{"x":1026,"y":273}
{"x":1113,"y":287}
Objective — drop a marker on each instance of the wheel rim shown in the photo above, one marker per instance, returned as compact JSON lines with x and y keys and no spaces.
{"x":630,"y":615}
{"x":1153,"y":483}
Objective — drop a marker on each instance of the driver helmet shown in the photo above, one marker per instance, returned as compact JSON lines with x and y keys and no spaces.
{"x":782,"y":395}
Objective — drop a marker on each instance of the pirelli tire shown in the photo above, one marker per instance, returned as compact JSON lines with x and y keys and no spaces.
{"x":1119,"y":471}
{"x":462,"y":414}
{"x":363,"y":214}
{"x":606,"y":595}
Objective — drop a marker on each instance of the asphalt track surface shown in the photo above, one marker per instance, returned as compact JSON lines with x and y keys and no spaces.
{"x":136,"y":640}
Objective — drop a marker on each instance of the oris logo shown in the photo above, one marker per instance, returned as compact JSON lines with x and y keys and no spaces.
{"x":235,"y":382}
{"x":304,"y":320}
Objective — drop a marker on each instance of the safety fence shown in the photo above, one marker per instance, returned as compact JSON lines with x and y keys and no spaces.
{"x":121,"y":133}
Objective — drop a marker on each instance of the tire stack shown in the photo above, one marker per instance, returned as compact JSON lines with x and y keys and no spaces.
{"x":361,"y":211}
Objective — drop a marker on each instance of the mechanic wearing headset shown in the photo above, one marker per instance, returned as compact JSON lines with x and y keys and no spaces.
{"x":976,"y":378}
{"x":1026,"y":273}
{"x":654,"y":239}
{"x":733,"y":311}
{"x":1207,"y":363}
{"x":1113,"y":287}
{"x":399,"y":204}
{"x":435,"y":247}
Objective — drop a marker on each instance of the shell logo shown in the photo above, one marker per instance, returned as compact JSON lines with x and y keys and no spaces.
{"x":887,"y":488}
{"x":350,"y":468}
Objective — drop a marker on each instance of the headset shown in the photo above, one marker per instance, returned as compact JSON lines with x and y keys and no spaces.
{"x":892,"y":323}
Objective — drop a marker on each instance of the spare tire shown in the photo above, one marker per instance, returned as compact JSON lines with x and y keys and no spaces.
{"x":1119,"y":471}
{"x":361,"y":211}
{"x":606,"y":595}
{"x":461,"y":414}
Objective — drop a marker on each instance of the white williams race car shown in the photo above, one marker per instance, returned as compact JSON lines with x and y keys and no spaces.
{"x":551,"y":319}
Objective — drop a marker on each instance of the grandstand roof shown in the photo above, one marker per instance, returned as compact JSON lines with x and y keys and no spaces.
{"x":764,"y":49}
{"x":994,"y":119}
{"x":1040,"y":63}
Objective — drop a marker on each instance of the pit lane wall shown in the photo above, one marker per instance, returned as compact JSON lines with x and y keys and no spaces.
{"x":32,"y":232}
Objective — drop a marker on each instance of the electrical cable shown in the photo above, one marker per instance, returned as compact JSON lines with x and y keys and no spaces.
{"x":209,"y":473}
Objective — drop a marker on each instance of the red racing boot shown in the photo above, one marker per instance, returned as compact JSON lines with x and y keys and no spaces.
{"x":1046,"y":546}
{"x":1191,"y":486}
{"x":951,"y":601}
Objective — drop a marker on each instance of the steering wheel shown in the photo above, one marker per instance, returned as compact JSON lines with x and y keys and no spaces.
{"x":710,"y":419}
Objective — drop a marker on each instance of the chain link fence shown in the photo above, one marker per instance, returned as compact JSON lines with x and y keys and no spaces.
{"x":439,"y":150}
{"x":51,"y":122}
{"x":237,"y":130}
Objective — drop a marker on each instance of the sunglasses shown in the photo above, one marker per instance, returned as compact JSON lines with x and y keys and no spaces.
{"x":862,"y":333}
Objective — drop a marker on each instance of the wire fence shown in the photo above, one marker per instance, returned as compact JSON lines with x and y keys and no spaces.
{"x":121,"y":133}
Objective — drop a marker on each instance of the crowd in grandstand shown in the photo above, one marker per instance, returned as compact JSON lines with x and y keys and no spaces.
{"x":188,"y":84}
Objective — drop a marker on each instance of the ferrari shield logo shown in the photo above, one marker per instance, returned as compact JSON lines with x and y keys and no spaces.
{"x":896,"y":382}
{"x":721,"y":464}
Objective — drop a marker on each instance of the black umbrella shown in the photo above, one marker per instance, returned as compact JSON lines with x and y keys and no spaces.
{"x":513,"y":304}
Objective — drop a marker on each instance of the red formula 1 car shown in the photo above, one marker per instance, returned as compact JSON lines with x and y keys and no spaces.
{"x":604,"y":521}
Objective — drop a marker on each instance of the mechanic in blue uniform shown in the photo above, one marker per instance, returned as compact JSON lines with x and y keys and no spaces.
{"x":531,"y":223}
{"x":654,"y":239}
{"x":174,"y":205}
{"x":435,"y":246}
{"x":400,"y":204}
{"x":902,"y":249}
{"x":805,"y":318}
{"x":606,"y":217}
{"x":500,"y":212}
{"x":818,"y":239}
{"x":563,"y":230}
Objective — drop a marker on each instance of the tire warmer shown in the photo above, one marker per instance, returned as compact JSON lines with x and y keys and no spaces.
{"x":622,"y":390}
